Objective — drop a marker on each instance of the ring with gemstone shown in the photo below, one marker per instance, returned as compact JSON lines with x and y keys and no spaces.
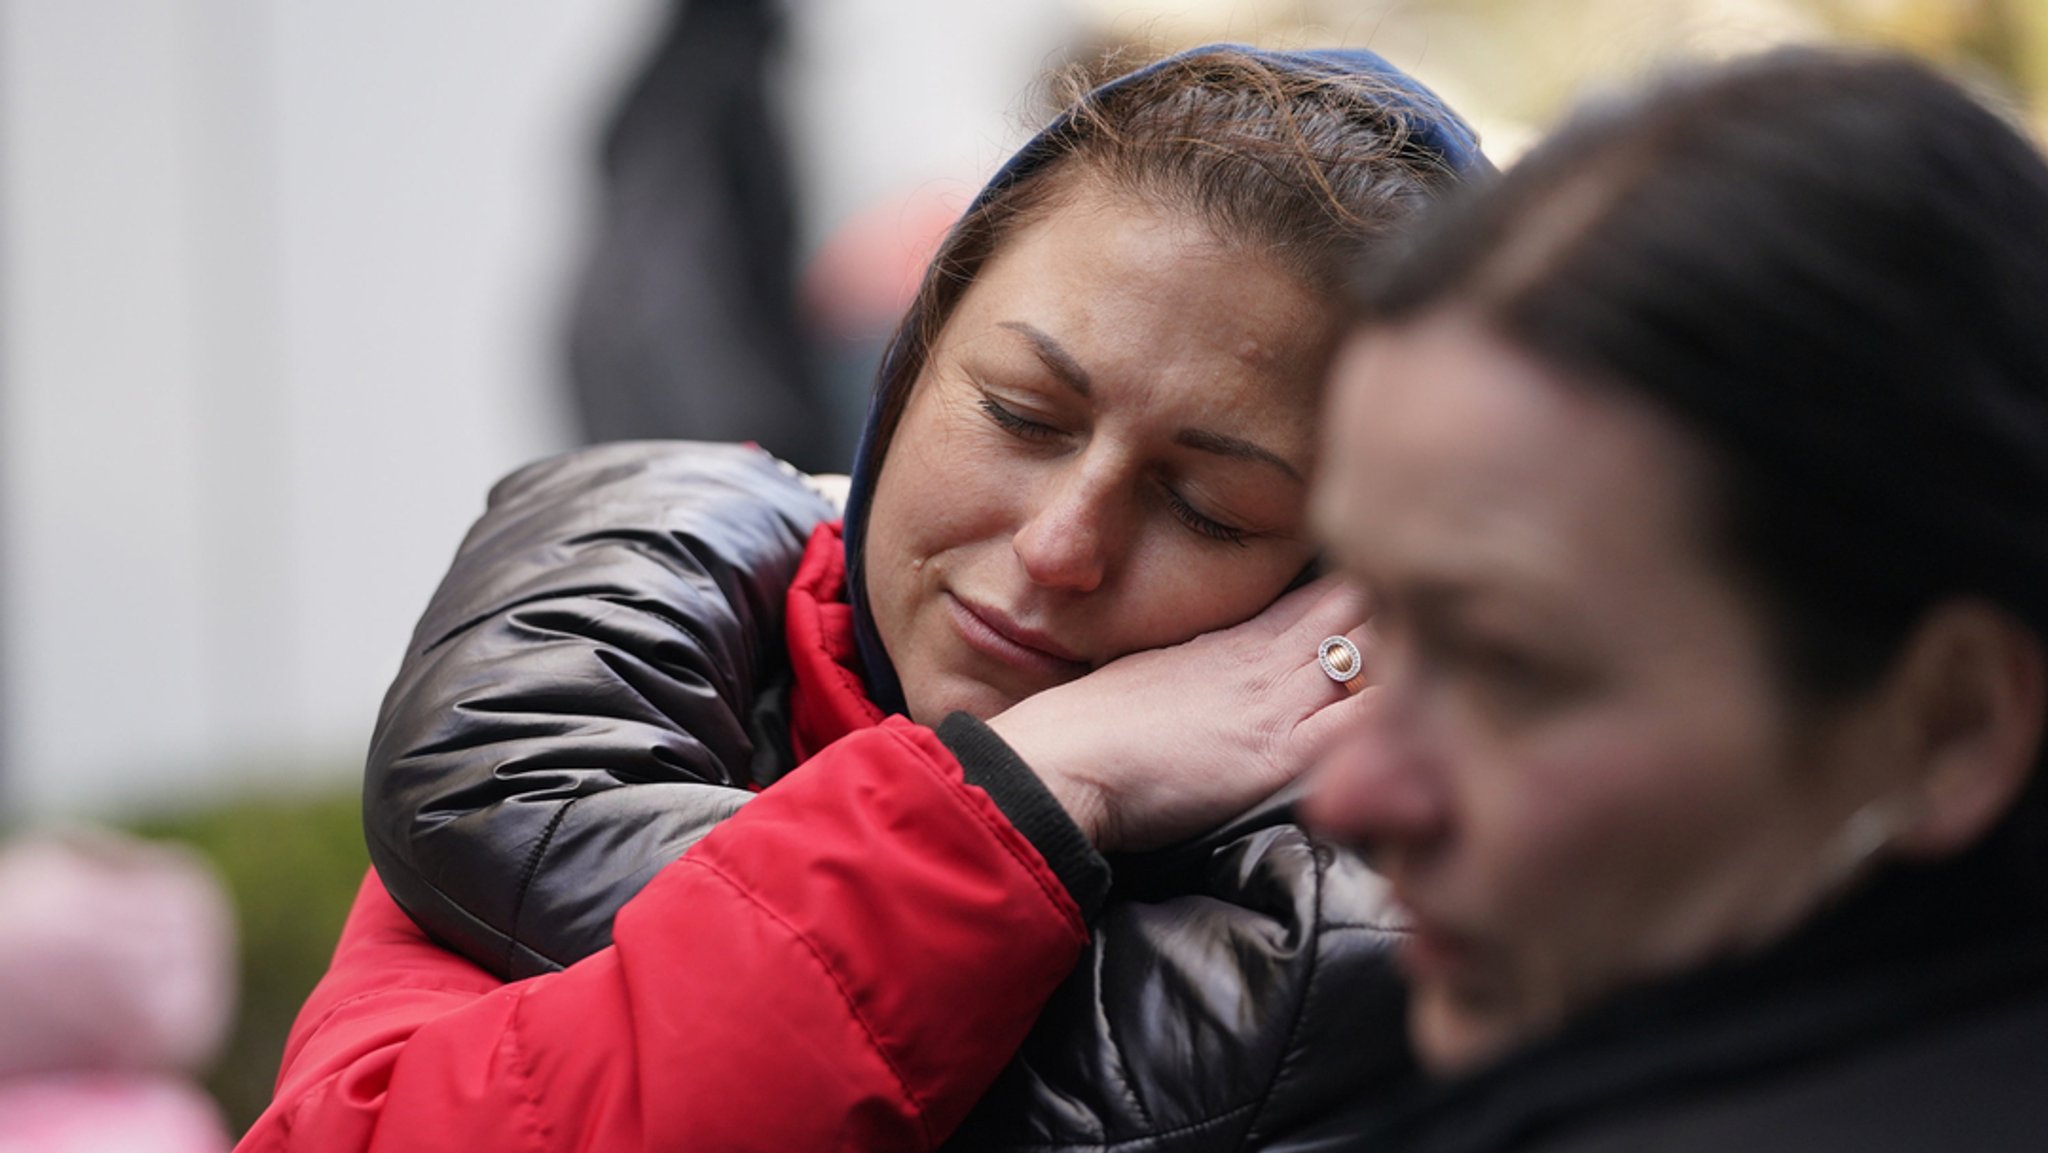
{"x":1341,"y":660}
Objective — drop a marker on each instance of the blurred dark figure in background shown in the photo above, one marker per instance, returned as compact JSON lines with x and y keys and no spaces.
{"x":685,"y":321}
{"x":1699,"y":475}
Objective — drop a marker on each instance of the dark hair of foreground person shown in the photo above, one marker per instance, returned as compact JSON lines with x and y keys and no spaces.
{"x":1799,"y":900}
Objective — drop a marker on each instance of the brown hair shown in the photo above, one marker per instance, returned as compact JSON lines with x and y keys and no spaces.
{"x":1308,"y":165}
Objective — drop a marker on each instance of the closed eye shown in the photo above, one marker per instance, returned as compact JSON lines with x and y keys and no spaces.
{"x":1025,"y":428}
{"x":1204,"y":524}
{"x":1015,"y":423}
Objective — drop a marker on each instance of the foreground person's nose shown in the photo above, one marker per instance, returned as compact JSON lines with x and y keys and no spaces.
{"x":1373,"y":789}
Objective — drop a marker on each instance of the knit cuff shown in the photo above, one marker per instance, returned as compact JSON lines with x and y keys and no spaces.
{"x":993,"y":767}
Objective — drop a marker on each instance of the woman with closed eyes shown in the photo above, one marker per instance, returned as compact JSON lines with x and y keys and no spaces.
{"x":791,"y":827}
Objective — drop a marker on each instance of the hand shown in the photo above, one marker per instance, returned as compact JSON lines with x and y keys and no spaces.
{"x":1159,"y":745}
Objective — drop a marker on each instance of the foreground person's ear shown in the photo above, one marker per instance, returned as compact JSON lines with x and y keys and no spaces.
{"x":1971,"y":687}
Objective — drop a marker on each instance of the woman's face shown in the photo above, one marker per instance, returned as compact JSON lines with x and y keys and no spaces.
{"x":1106,"y":452}
{"x":1581,"y":770}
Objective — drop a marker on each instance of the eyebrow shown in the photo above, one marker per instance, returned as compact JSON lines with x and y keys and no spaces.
{"x":1451,"y":595}
{"x":1236,"y":448}
{"x":1056,"y":358}
{"x":1063,"y":365}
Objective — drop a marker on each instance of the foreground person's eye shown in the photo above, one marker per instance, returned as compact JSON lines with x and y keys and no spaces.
{"x":1516,"y":684}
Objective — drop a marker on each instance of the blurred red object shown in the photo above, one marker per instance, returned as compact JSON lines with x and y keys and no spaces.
{"x":862,"y":279}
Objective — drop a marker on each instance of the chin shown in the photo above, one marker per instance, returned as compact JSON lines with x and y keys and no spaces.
{"x":934,"y":703}
{"x":1451,"y":1035}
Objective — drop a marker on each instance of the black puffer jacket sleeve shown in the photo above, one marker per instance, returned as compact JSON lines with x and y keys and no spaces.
{"x":613,"y":619}
{"x":1246,"y":1001}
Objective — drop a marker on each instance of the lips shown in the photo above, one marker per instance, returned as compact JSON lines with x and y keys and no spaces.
{"x":1432,"y":953}
{"x":1431,"y":950}
{"x":991,"y":632}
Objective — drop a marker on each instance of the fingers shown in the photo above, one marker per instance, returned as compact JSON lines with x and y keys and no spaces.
{"x":1320,"y":604}
{"x":1338,"y":717}
{"x":1332,"y":703}
{"x":1329,"y":723}
{"x":1343,"y":661}
{"x":1339,"y":612}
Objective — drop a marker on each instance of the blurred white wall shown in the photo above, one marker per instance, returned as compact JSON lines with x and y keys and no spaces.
{"x":280,"y":295}
{"x":889,"y":93}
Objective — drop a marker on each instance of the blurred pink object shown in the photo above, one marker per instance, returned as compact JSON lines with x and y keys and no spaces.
{"x":108,"y":1113}
{"x":116,"y":983}
{"x":863,"y":278}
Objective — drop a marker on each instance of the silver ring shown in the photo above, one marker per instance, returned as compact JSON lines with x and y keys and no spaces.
{"x":1341,"y":660}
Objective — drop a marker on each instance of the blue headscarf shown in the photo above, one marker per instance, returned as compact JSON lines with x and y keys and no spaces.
{"x":1431,"y":125}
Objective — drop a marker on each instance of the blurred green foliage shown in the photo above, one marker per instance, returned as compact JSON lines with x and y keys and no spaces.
{"x":292,"y":867}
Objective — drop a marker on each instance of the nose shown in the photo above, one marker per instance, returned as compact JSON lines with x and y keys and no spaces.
{"x":1070,"y":537}
{"x":1375,"y":789}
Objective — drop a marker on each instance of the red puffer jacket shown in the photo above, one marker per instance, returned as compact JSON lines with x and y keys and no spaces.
{"x":634,"y":639}
{"x":844,"y":963}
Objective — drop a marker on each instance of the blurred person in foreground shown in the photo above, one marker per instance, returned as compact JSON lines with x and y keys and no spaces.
{"x":1698,"y":473}
{"x":795,"y":829}
{"x":116,"y":986}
